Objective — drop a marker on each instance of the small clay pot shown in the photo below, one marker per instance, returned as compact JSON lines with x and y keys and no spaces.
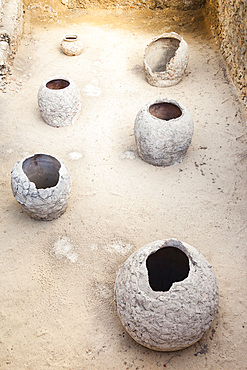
{"x":59,"y":101}
{"x":71,"y":45}
{"x":41,"y":184}
{"x":165,"y":60}
{"x":166,"y":295}
{"x":163,"y":132}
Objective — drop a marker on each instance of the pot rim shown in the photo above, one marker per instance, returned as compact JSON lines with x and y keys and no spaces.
{"x":182,"y":44}
{"x":74,"y":37}
{"x":164,"y":100}
{"x":152,"y":248}
{"x":61,"y":169}
{"x":57,"y":77}
{"x":166,"y":35}
{"x":191,"y":252}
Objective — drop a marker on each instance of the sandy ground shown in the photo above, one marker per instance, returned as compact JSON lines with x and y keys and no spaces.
{"x":57,"y":278}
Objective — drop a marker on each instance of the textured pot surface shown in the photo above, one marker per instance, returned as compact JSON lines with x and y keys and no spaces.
{"x":163,"y":141}
{"x":165,"y":60}
{"x":71,"y":45}
{"x":42,"y":185}
{"x":59,"y":101}
{"x":166,"y":320}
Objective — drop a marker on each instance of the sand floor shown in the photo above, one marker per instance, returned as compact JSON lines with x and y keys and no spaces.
{"x":57,"y":278}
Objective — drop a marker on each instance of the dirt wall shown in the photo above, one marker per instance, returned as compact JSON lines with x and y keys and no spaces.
{"x":228,"y":21}
{"x":11,"y":28}
{"x":136,"y":4}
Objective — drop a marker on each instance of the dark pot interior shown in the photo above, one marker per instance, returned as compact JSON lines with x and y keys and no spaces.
{"x":57,"y":84}
{"x":165,"y":267}
{"x":70,"y":37}
{"x":160,"y":52}
{"x":165,"y":111}
{"x":42,"y":170}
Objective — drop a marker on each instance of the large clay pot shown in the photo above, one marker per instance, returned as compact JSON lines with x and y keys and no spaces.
{"x":163,"y":132}
{"x":41,"y":184}
{"x":166,"y":295}
{"x":71,"y":45}
{"x":59,"y":101}
{"x":165,"y":60}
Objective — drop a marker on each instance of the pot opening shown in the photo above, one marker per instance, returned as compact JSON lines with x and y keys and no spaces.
{"x":160,"y":52}
{"x":165,"y":267}
{"x":71,"y":37}
{"x":165,"y":111}
{"x":57,"y":84}
{"x":42,"y":170}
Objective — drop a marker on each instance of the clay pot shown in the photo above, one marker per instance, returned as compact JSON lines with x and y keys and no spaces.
{"x":163,"y":132}
{"x":166,"y":295}
{"x":71,"y":45}
{"x":59,"y":101}
{"x":41,"y":184}
{"x":165,"y":60}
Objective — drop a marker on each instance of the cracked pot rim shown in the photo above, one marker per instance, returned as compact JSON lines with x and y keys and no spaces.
{"x":60,"y":171}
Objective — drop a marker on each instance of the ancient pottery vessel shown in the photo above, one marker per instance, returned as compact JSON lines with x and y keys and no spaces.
{"x":163,"y":132}
{"x":166,"y":295}
{"x":71,"y":45}
{"x":41,"y":184}
{"x":59,"y":101}
{"x":165,"y":60}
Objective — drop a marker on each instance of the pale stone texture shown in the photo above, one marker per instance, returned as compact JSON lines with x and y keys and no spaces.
{"x":59,"y":107}
{"x":43,"y":203}
{"x":165,"y":60}
{"x":71,"y":45}
{"x":170,"y":320}
{"x":163,"y":142}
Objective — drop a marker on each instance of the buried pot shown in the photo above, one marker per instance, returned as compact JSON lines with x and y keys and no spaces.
{"x":165,"y":60}
{"x":166,"y":295}
{"x":59,"y":101}
{"x":163,"y":132}
{"x":42,"y":185}
{"x":71,"y":45}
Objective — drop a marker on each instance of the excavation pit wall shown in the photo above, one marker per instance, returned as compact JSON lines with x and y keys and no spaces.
{"x":228,"y":23}
{"x":59,"y":275}
{"x":11,"y":28}
{"x":225,"y":18}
